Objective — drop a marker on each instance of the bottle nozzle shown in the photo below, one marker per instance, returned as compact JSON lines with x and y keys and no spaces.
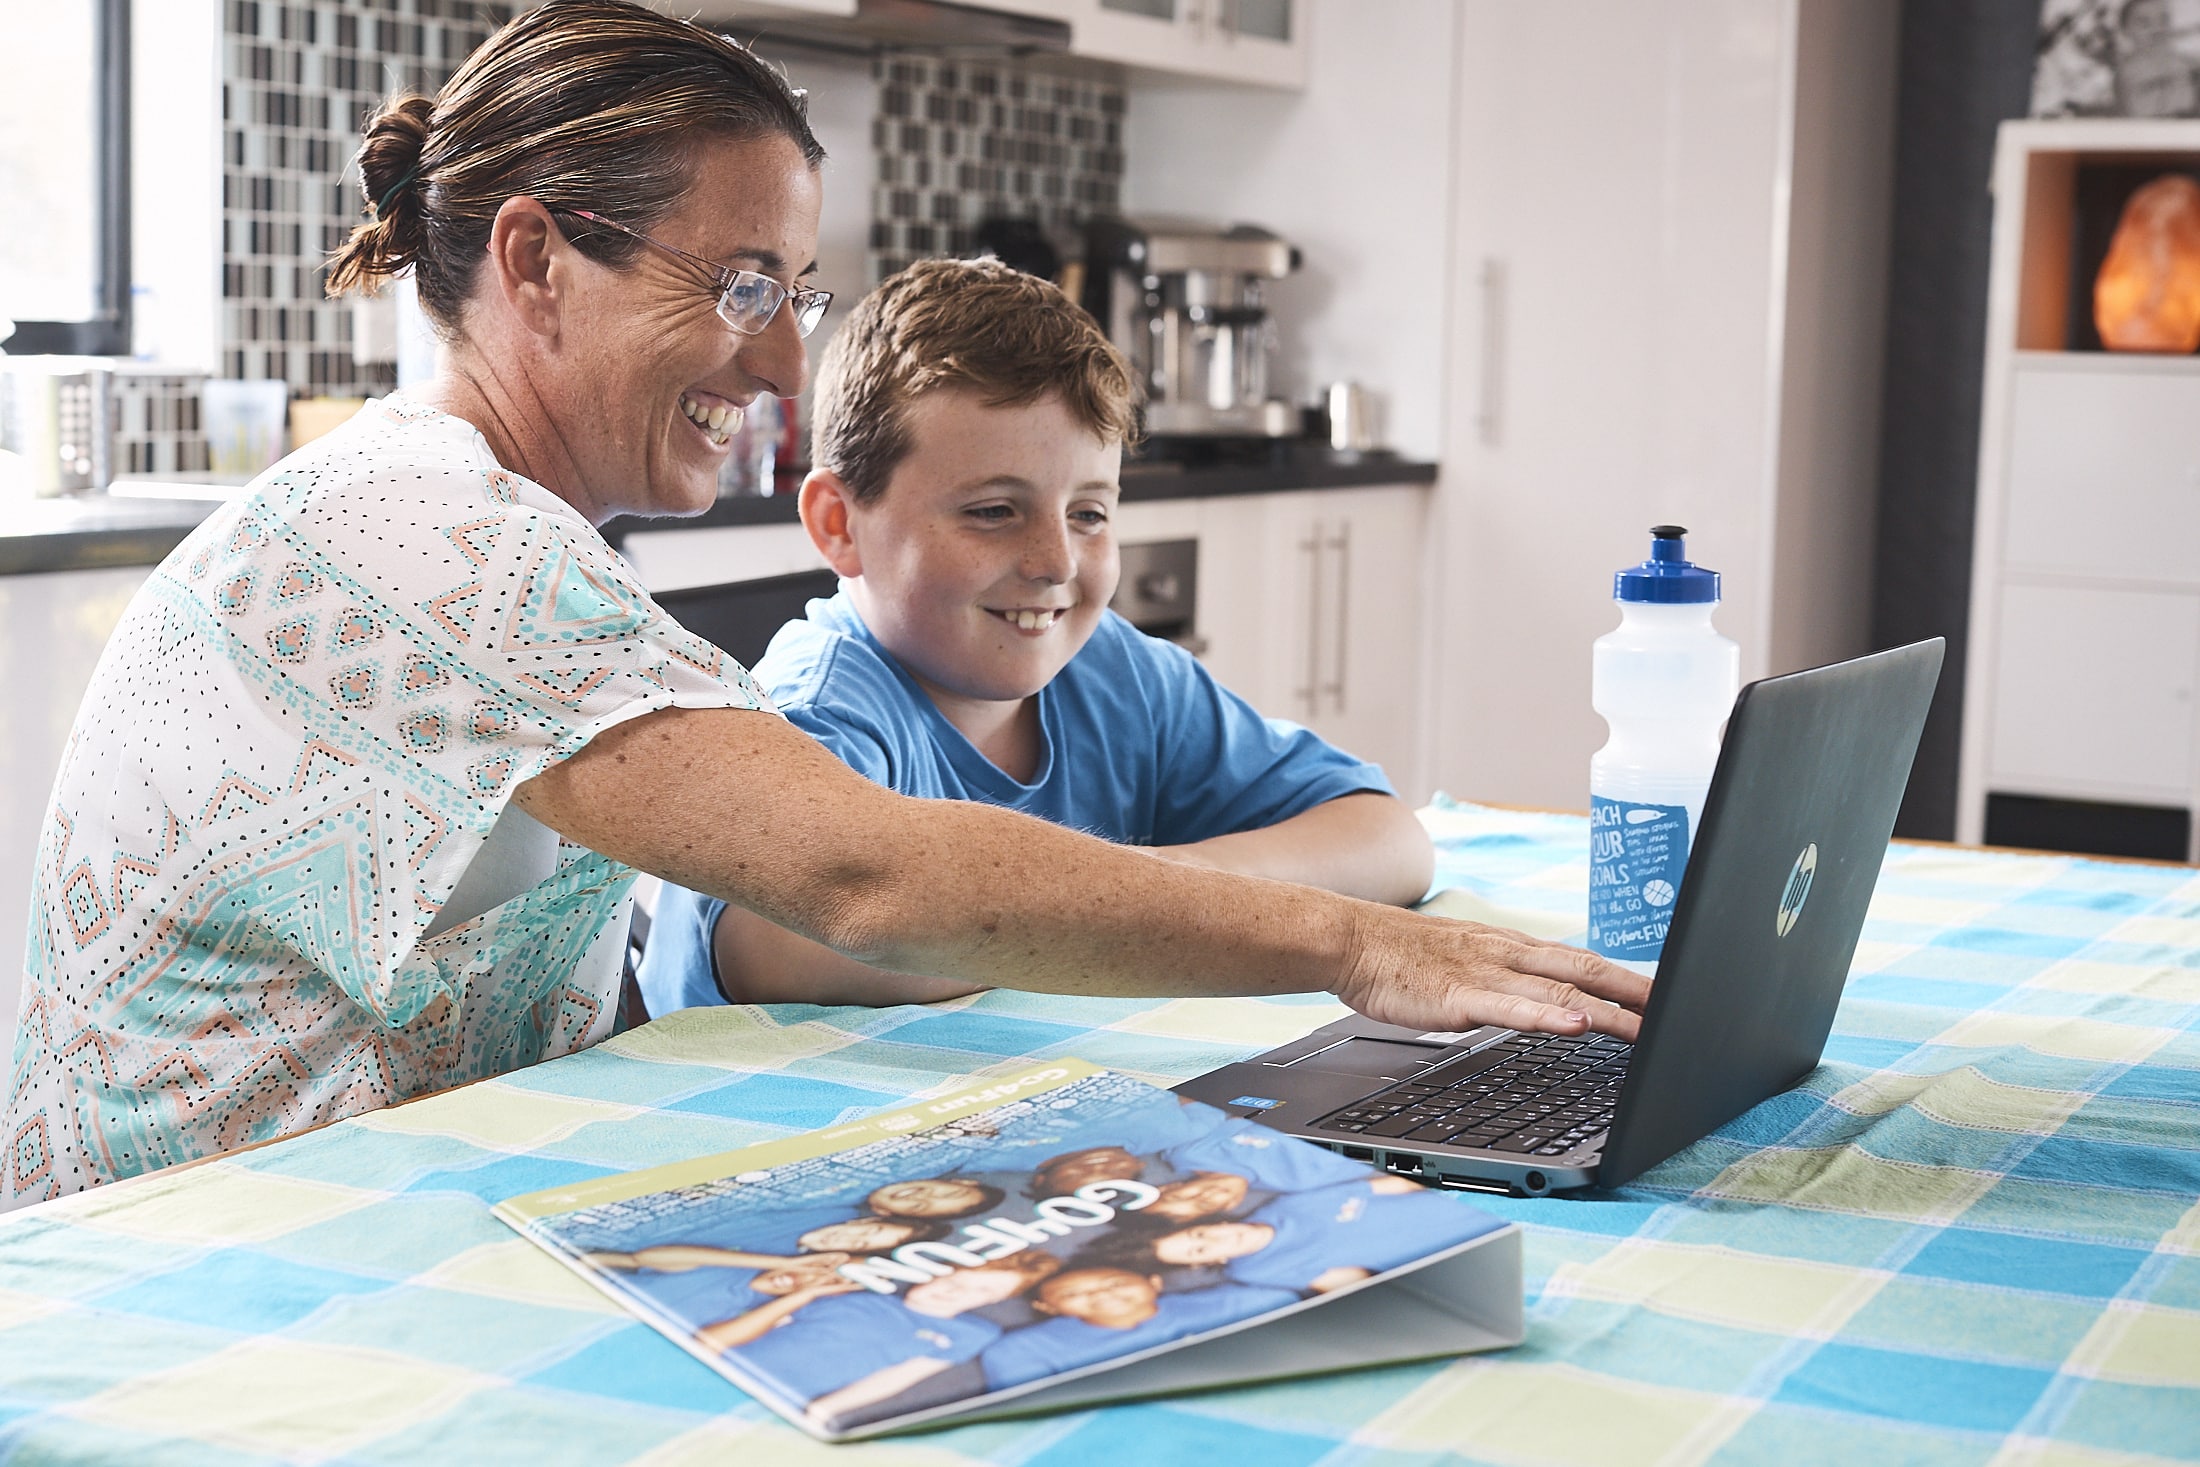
{"x":1667,"y":576}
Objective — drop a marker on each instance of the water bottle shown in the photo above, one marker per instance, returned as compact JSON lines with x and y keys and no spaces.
{"x":1664,"y":682}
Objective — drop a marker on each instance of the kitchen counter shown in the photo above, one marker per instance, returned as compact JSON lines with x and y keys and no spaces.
{"x":93,"y":531}
{"x":85,"y":532}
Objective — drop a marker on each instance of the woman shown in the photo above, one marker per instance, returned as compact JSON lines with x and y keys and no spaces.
{"x":353,"y":805}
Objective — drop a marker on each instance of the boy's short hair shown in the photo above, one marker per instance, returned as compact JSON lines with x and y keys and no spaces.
{"x":1009,"y":337}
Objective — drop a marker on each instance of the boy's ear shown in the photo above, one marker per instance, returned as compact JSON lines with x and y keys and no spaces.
{"x":827,"y":505}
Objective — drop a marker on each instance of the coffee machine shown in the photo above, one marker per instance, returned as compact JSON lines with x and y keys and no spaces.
{"x":1182,"y":300}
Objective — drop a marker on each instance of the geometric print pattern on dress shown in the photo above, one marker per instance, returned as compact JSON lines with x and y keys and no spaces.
{"x":305,"y":727}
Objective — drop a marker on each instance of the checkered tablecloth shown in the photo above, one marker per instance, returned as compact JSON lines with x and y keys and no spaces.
{"x":1970,"y":1237}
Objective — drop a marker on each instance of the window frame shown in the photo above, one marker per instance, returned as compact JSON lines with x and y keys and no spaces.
{"x":107,"y":333}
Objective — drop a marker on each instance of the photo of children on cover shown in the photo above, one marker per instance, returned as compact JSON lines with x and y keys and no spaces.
{"x":1083,"y":1224}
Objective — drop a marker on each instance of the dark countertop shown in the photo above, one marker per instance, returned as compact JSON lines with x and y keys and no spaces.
{"x":1255,"y":469}
{"x":94,"y":531}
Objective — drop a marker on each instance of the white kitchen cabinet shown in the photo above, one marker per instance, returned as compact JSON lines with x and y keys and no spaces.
{"x":1258,"y":42}
{"x":2104,"y":467}
{"x":724,"y":10}
{"x":711,"y":555}
{"x":2084,"y":660}
{"x":2093,"y":692}
{"x":1310,"y":609}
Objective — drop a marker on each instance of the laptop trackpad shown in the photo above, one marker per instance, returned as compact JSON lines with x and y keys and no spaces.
{"x":1377,"y":1059}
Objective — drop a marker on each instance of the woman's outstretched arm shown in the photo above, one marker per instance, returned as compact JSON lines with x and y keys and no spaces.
{"x":748,"y":808}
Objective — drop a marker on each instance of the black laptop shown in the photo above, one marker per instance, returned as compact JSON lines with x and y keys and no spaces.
{"x":1794,"y":830}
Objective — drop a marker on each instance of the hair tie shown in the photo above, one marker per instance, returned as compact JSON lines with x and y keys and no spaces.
{"x":382,"y":205}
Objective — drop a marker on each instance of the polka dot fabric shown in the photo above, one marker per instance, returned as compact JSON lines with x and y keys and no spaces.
{"x":306,"y":726}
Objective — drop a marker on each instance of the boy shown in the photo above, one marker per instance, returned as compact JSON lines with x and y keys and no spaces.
{"x":970,"y":423}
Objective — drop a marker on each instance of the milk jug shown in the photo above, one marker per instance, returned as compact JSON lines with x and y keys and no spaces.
{"x":1664,"y":682}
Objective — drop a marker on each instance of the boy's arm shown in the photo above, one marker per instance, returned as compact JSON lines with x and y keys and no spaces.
{"x":762,"y":962}
{"x":1365,"y":845}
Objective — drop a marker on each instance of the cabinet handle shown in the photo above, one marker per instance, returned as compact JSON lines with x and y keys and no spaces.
{"x":1306,"y":694}
{"x":1341,"y":543}
{"x":1489,"y":413}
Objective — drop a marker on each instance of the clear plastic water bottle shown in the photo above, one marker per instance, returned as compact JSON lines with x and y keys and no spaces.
{"x":1664,"y":682}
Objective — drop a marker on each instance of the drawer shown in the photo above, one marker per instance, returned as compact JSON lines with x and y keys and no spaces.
{"x":2104,"y":472}
{"x":2093,"y":692}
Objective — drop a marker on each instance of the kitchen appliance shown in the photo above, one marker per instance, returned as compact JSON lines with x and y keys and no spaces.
{"x":1158,"y":591}
{"x":1183,"y":301}
{"x":58,"y":413}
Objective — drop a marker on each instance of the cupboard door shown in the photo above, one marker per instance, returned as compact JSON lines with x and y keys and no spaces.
{"x":1238,"y":599}
{"x":1260,"y":42}
{"x":2093,"y":693}
{"x":1366,"y":629}
{"x":2104,"y":470}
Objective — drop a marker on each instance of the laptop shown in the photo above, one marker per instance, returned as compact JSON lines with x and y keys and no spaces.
{"x":1794,"y":830}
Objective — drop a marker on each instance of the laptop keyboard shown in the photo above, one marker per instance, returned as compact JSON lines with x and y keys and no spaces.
{"x":1535,"y":1094}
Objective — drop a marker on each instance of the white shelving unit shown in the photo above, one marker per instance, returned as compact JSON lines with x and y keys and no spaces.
{"x":2084,"y":658}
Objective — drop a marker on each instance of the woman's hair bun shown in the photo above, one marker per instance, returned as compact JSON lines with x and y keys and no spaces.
{"x":573,"y":103}
{"x":389,"y":176}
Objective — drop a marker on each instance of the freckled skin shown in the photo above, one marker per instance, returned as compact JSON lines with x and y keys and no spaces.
{"x":578,"y":384}
{"x":993,"y":510}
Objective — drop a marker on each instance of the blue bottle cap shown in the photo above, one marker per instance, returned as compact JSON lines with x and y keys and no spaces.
{"x":1667,"y":576}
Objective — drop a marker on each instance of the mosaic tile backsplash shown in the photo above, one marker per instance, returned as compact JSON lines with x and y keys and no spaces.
{"x":298,"y":83}
{"x":957,"y":142}
{"x":962,"y":141}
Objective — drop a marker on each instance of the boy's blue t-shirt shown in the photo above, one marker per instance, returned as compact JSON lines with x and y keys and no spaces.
{"x":1139,"y":745}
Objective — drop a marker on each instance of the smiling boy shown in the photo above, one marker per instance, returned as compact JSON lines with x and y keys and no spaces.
{"x":969,"y":432}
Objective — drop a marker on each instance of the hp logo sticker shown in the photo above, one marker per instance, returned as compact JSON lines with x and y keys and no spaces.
{"x":1797,"y":890}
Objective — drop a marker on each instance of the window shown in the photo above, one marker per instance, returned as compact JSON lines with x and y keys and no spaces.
{"x":64,"y":177}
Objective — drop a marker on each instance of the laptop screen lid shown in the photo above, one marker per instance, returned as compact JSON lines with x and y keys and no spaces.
{"x":1795,"y":828}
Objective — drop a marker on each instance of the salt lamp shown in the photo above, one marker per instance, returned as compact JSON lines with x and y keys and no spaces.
{"x":2147,"y":296}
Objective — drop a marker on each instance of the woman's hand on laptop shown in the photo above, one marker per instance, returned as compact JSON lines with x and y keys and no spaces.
{"x":1437,"y":974}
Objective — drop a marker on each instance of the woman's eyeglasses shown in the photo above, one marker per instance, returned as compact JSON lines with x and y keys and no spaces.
{"x":747,"y":301}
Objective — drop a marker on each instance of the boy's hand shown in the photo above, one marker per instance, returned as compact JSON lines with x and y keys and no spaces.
{"x":1436,"y":974}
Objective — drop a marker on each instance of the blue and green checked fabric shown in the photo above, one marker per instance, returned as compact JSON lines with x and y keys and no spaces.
{"x":1972,"y":1236}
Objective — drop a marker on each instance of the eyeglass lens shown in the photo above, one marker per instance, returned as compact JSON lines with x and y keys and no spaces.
{"x":751,"y":300}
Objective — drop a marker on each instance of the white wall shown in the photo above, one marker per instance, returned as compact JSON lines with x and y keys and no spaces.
{"x":1833,"y":337}
{"x":1354,"y":170}
{"x":842,"y":100}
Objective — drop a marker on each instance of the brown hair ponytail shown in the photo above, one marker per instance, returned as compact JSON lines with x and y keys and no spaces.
{"x":389,"y":172}
{"x":579,"y":104}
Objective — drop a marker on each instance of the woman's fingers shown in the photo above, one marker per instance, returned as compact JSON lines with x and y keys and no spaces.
{"x":1585,"y":971}
{"x":1432,"y":973}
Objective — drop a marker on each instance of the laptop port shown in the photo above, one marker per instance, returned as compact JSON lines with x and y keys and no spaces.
{"x":1404,"y":1162}
{"x":1358,"y":1153}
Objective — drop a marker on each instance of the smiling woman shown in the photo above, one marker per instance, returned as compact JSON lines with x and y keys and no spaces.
{"x":353,"y":806}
